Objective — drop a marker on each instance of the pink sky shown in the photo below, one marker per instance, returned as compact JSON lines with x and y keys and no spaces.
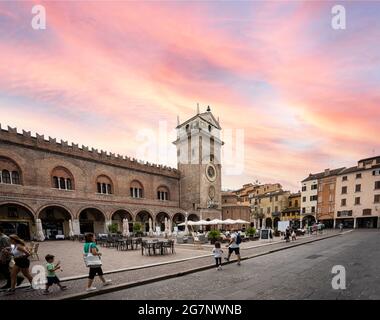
{"x":104,"y":73}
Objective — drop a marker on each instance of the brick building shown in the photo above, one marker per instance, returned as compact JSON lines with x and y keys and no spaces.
{"x":57,"y":182}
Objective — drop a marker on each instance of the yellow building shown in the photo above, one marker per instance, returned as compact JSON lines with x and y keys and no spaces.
{"x":293,"y":210}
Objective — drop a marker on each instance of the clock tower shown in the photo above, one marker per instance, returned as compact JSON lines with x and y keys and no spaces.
{"x":199,"y":162}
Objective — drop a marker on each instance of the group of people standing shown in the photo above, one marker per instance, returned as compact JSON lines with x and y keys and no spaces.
{"x":14,"y":258}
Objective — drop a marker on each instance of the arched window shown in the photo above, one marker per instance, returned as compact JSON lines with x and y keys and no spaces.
{"x":104,"y":185}
{"x":6,"y":177}
{"x":16,"y":177}
{"x":10,"y":172}
{"x":136,"y":189}
{"x":163,"y":193}
{"x":62,"y":179}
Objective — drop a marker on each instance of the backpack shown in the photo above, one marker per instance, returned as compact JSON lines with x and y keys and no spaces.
{"x":238,"y":239}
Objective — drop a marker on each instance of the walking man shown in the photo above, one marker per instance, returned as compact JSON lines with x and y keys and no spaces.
{"x":234,"y":246}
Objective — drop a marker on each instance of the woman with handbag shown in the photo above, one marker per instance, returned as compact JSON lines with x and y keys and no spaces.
{"x":93,"y":262}
{"x":20,"y":255}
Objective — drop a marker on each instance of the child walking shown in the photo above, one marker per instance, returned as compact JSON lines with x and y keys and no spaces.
{"x":217,"y":252}
{"x":52,"y":278}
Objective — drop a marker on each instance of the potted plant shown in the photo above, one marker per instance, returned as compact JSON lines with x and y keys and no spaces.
{"x":213,"y":236}
{"x":113,"y":228}
{"x":251,"y":231}
{"x":137,"y":228}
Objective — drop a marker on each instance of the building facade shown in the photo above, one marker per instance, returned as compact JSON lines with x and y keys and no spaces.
{"x":292,"y":212}
{"x":358,"y":195}
{"x":58,"y":182}
{"x":234,"y":209}
{"x":309,"y":199}
{"x":267,"y":203}
{"x":326,"y":196}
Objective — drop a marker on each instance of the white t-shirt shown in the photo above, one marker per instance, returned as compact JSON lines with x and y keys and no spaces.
{"x":217,"y":252}
{"x":234,"y":244}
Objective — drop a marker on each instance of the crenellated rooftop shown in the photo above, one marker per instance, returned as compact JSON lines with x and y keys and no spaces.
{"x":71,"y":149}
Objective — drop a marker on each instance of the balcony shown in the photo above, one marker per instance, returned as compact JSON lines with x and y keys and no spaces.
{"x":276,"y":214}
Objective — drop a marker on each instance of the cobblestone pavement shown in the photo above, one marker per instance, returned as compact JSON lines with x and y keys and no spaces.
{"x":79,"y":285}
{"x":303,"y":272}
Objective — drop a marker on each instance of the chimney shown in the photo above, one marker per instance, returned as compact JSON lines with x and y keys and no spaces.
{"x":327,"y":172}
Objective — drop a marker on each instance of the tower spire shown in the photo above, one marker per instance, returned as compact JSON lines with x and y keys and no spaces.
{"x":197,"y":107}
{"x":208,"y":109}
{"x":177,"y":120}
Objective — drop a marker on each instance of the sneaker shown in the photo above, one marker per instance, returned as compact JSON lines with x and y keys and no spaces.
{"x":63,"y":288}
{"x":108,"y":282}
{"x":220,"y":268}
{"x":91,"y":289}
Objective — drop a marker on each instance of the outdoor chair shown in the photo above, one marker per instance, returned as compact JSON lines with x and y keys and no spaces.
{"x":168,"y":246}
{"x":34,"y":251}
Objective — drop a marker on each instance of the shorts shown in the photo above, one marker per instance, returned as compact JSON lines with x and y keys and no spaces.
{"x":22,"y":262}
{"x":95,"y":271}
{"x":236,"y":250}
{"x":52,"y":280}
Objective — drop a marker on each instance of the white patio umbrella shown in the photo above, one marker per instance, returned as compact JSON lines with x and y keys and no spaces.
{"x":189,"y":223}
{"x":166,"y":226}
{"x":40,"y":233}
{"x":71,"y":229}
{"x":150,"y":228}
{"x":127,"y":234}
{"x":186,"y":227}
{"x":241,"y":221}
{"x":229,"y":221}
{"x":125,"y":228}
{"x":170,"y":227}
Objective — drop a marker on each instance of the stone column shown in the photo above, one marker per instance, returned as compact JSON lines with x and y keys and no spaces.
{"x":354,"y":223}
{"x":76,"y":226}
{"x":334,"y":223}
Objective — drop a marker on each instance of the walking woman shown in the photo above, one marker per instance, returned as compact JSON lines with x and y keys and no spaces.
{"x":90,"y":247}
{"x":21,"y":257}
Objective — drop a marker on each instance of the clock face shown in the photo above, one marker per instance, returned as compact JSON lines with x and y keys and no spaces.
{"x":211,"y":172}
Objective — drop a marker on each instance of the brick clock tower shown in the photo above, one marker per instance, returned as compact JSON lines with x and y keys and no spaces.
{"x":199,"y":161}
